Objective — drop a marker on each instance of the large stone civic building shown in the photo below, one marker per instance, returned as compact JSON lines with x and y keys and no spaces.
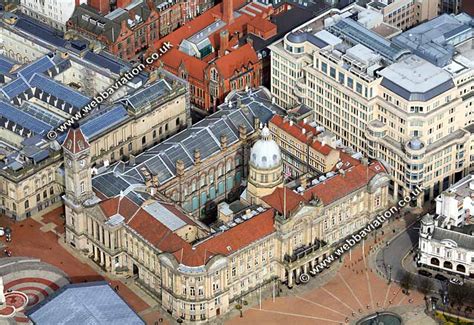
{"x":129,"y":221}
{"x":44,"y":81}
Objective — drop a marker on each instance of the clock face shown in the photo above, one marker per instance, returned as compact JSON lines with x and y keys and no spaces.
{"x":69,"y":162}
{"x":82,"y":162}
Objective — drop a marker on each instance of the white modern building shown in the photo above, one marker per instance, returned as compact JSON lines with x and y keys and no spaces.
{"x":54,"y":13}
{"x":405,"y":100}
{"x":447,"y":239}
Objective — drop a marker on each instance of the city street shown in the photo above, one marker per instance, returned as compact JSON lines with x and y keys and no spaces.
{"x":389,"y":259}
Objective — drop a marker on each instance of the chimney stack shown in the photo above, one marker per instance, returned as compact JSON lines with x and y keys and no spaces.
{"x":197,"y":156}
{"x":123,"y":3}
{"x":223,"y":141}
{"x":242,"y":132}
{"x":179,"y":167}
{"x":304,"y":181}
{"x":256,"y":123}
{"x":224,"y":44}
{"x":102,"y":6}
{"x":228,"y":11}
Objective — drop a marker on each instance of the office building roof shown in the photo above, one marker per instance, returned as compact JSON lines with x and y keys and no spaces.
{"x":416,"y":79}
{"x":435,"y":40}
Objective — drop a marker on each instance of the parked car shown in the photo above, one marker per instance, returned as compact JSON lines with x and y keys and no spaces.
{"x":425,"y":273}
{"x":456,"y":281}
{"x":441,"y":277}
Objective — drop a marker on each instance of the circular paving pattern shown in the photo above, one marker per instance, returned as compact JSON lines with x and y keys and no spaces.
{"x":26,"y":283}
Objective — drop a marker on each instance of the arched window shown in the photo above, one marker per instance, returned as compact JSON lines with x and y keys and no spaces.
{"x":154,"y":134}
{"x":51,"y":191}
{"x":177,"y":121}
{"x":144,"y":140}
{"x":27,"y":204}
{"x":448,"y":265}
{"x":434,"y":261}
{"x":461,"y":268}
{"x":214,"y":75}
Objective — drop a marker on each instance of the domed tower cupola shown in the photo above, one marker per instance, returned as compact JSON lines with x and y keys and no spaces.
{"x":265,"y":167}
{"x":427,"y":226}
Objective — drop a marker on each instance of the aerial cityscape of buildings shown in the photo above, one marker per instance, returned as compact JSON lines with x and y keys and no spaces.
{"x":255,"y":150}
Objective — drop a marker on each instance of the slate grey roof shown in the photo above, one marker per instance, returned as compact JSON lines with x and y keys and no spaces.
{"x":434,"y":40}
{"x":147,"y":95}
{"x":160,"y":160}
{"x":94,"y":303}
{"x":463,"y":240}
{"x":357,"y":34}
{"x":109,"y":25}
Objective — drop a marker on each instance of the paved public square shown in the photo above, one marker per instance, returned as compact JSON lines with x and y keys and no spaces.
{"x":355,"y":290}
{"x":40,"y":238}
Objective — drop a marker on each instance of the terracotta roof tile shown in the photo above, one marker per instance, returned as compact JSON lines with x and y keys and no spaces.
{"x":155,"y":232}
{"x":194,"y":67}
{"x":328,"y":191}
{"x":229,"y":241}
{"x":236,"y":60}
{"x":296,"y":131}
{"x":75,"y":141}
{"x":125,"y":207}
{"x":241,"y":235}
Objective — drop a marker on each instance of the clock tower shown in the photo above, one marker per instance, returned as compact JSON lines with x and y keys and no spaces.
{"x":78,"y":184}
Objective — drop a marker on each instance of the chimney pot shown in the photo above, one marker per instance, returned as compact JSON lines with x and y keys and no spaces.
{"x":228,"y":11}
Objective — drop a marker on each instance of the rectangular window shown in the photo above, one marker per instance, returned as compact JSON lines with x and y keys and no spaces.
{"x":341,"y":78}
{"x":332,"y":72}
{"x":324,"y":67}
{"x":350,"y":82}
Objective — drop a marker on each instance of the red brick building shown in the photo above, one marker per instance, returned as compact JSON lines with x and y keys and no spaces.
{"x":128,"y":28}
{"x":212,"y":51}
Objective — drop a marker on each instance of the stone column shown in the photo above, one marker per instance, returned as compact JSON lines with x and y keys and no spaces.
{"x":290,"y":278}
{"x":101,"y":235}
{"x":112,"y":240}
{"x":101,"y":254}
{"x":94,"y":248}
{"x":108,"y":263}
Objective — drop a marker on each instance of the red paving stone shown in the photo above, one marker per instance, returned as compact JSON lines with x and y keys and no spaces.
{"x":49,"y":283}
{"x":29,"y":241}
{"x":54,"y":216}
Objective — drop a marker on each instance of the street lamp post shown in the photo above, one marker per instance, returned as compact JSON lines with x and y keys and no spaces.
{"x":389,"y":273}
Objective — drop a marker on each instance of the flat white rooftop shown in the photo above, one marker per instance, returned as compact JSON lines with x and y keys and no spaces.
{"x":415,"y":74}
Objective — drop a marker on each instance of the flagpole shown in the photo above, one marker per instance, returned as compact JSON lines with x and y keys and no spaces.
{"x":284,"y":192}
